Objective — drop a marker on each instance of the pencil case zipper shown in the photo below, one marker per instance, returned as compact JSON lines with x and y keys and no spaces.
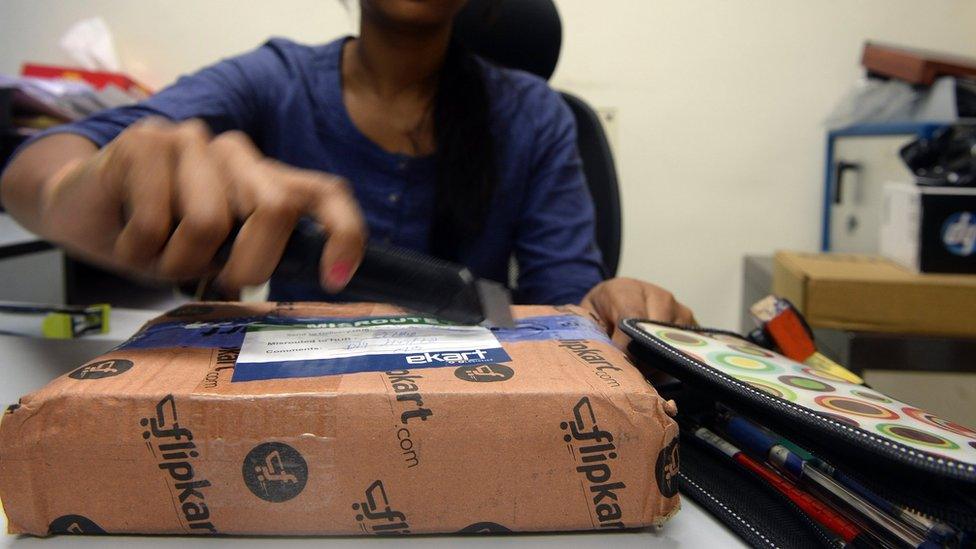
{"x":822,"y":435}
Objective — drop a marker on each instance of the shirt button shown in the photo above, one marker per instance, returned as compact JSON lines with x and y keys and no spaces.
{"x":393,"y":198}
{"x":402,"y":165}
{"x":386,"y":240}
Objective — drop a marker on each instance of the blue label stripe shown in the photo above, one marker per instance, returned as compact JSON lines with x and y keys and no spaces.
{"x":253,"y":371}
{"x":540,"y":328}
{"x":230,"y":332}
{"x":205,"y":335}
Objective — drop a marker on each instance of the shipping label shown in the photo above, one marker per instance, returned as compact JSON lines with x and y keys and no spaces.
{"x":274,"y":351}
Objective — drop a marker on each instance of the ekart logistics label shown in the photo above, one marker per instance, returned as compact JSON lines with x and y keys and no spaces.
{"x":275,"y":347}
{"x":272,"y":351}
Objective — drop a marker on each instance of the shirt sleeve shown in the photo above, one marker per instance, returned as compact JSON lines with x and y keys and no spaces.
{"x":223,"y":95}
{"x":555,"y":246}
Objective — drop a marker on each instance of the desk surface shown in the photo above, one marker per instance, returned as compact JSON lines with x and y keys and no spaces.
{"x":12,"y":234}
{"x":30,"y":363}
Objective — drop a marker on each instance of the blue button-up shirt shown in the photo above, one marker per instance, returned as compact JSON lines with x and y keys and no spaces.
{"x":288,"y":98}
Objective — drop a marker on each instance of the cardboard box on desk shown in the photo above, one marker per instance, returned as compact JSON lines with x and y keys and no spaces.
{"x":222,"y":419}
{"x":873,"y":294}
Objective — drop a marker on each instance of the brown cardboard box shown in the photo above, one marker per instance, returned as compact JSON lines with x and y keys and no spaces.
{"x":869,"y":293}
{"x":155,"y":437}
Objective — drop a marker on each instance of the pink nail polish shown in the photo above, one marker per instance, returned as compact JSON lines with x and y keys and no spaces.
{"x":340,"y":273}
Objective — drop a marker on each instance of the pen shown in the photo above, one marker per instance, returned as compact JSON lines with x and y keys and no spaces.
{"x":931,"y":529}
{"x":827,"y":517}
{"x":759,"y":442}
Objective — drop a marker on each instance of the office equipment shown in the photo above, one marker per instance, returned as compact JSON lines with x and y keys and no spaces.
{"x":428,"y":285}
{"x":860,"y":159}
{"x":904,"y":454}
{"x":947,"y":158}
{"x":399,"y":276}
{"x":53,"y":322}
{"x":930,"y":229}
{"x":299,"y":418}
{"x":527,"y":35}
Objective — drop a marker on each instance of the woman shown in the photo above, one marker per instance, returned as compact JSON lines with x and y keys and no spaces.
{"x":398,"y":132}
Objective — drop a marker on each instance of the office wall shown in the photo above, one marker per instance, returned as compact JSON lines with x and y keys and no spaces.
{"x":720,"y":108}
{"x":158,"y":40}
{"x":719,"y":105}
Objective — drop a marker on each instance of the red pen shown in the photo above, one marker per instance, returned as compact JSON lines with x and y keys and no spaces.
{"x":814,"y":508}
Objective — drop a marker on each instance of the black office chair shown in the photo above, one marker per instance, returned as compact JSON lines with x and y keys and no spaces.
{"x":527,"y":35}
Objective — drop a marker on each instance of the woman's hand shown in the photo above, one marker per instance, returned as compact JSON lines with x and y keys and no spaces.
{"x":161,"y":198}
{"x":619,"y":298}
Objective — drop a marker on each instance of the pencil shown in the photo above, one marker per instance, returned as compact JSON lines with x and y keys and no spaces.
{"x":880,"y":524}
{"x":931,"y":529}
{"x":822,"y":514}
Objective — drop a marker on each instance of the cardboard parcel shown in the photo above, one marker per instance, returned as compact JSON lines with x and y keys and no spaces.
{"x":297,"y":418}
{"x":868,"y":293}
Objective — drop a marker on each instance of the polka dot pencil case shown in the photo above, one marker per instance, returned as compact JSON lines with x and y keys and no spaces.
{"x":914,"y":457}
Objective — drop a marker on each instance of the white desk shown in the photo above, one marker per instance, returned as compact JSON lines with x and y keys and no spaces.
{"x":31,"y":270}
{"x":27,"y":364}
{"x":12,"y":234}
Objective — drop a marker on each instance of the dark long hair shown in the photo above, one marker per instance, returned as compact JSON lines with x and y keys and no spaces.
{"x":466,"y":169}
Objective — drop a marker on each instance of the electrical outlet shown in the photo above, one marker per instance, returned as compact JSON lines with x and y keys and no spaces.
{"x":608,"y":117}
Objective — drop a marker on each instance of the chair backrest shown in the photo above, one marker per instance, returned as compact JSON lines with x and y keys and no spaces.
{"x":527,"y":35}
{"x":601,"y":176}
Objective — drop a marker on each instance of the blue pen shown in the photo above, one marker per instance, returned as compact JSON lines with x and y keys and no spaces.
{"x":756,"y":440}
{"x":925,"y":526}
{"x":929,"y":528}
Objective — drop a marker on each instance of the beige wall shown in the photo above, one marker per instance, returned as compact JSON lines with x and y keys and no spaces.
{"x":718,"y":135}
{"x":720,"y":103}
{"x":158,"y":40}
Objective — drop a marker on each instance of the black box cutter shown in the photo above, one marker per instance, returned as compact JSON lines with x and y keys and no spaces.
{"x":399,"y":276}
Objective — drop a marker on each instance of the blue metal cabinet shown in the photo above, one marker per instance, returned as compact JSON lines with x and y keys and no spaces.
{"x":860,"y":159}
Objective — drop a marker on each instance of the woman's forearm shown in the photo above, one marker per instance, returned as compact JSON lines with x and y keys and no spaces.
{"x":28,"y":177}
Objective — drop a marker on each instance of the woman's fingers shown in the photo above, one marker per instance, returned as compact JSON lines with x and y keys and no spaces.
{"x":264,"y":202}
{"x":200,"y":202}
{"x":620,"y":339}
{"x":271,"y":197}
{"x":685,"y":317}
{"x":139,"y":168}
{"x":659,"y":304}
{"x":336,"y":209}
{"x":163,"y":199}
{"x":619,"y":298}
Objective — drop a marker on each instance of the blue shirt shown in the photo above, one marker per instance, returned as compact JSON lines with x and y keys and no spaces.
{"x":288,"y":98}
